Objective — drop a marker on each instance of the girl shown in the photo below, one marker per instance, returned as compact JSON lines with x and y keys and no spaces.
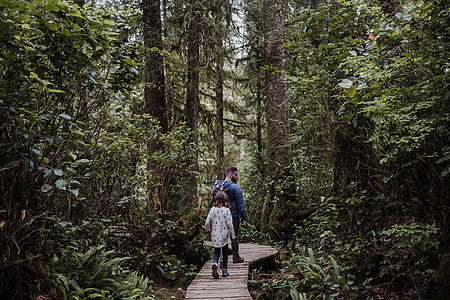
{"x":219,"y":218}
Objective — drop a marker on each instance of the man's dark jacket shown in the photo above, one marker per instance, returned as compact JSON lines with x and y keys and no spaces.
{"x":235,"y":196}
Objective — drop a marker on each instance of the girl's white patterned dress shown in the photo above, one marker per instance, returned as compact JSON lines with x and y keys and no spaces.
{"x":219,"y":218}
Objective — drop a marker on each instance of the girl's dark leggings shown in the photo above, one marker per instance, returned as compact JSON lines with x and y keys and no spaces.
{"x":224,"y":256}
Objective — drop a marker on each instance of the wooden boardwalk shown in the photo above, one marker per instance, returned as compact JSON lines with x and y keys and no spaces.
{"x":234,"y":286}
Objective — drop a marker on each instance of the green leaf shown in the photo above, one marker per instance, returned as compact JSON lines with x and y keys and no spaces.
{"x":95,"y":24}
{"x":75,"y":285}
{"x":65,"y":116}
{"x":58,"y":172}
{"x":39,"y":2}
{"x":445,"y":172}
{"x":351,"y":92}
{"x":61,"y":184}
{"x":442,"y":159}
{"x":83,"y":161}
{"x":46,"y":188}
{"x":51,"y":26}
{"x":36,"y":152}
{"x":96,"y":295}
{"x":56,"y":91}
{"x":63,"y":5}
{"x":48,"y":172}
{"x":52,"y":7}
{"x":105,"y":32}
{"x":75,"y":13}
{"x":64,"y":280}
{"x":108,"y":22}
{"x":5,"y":3}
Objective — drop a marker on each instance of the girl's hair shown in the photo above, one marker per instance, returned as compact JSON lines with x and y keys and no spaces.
{"x":221,"y":199}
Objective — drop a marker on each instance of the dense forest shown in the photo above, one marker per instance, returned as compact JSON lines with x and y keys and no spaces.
{"x":116,"y":116}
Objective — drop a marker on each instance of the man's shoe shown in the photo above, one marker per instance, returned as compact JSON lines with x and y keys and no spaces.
{"x":214,"y":271}
{"x":225,"y":273}
{"x":238,"y":260}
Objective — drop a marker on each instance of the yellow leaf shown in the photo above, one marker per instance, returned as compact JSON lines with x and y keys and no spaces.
{"x":24,"y":213}
{"x":351,"y":92}
{"x":371,"y":36}
{"x":2,"y":223}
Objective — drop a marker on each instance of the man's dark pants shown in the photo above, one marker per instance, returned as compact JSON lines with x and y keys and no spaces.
{"x":235,"y":242}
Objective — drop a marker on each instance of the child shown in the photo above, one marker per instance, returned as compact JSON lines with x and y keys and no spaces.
{"x":219,"y":218}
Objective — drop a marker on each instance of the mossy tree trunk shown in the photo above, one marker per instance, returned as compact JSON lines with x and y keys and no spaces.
{"x":155,"y":102}
{"x":192,"y":100}
{"x":279,"y":153}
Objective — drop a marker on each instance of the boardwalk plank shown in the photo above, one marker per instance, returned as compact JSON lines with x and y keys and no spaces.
{"x":205,"y":286}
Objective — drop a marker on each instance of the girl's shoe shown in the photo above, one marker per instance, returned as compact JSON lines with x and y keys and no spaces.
{"x":225,"y":273}
{"x":214,"y":271}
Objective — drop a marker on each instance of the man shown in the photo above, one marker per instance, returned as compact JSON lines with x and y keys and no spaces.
{"x":236,"y":198}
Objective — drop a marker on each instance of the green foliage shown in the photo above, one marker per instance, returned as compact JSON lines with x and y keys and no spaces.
{"x":98,"y":274}
{"x":250,"y":234}
{"x":409,"y":247}
{"x":369,"y":117}
{"x":164,"y":249}
{"x":295,"y":295}
{"x":173,"y":160}
{"x":73,"y":164}
{"x":368,"y":254}
{"x":55,"y":83}
{"x":321,"y":276}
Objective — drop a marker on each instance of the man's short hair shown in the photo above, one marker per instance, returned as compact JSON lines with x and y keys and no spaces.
{"x":230,"y":170}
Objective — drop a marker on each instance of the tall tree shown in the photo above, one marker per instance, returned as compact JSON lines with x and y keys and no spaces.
{"x":219,"y":108}
{"x":155,"y":102}
{"x":221,"y":13}
{"x":192,"y":101}
{"x":279,"y":152}
{"x":255,"y":37}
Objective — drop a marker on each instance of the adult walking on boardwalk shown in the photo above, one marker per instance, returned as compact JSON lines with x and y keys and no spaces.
{"x":235,"y":197}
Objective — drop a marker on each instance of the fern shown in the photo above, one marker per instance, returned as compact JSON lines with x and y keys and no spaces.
{"x":97,"y":274}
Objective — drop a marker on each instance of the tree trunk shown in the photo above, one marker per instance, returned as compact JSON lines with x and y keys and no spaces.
{"x":315,"y":5}
{"x":219,"y":51}
{"x":155,"y":103}
{"x":192,"y":101}
{"x":279,"y":153}
{"x":219,"y":110}
{"x":260,"y":157}
{"x":261,"y":169}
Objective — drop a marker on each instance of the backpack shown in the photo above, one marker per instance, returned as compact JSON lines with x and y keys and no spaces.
{"x":216,"y":188}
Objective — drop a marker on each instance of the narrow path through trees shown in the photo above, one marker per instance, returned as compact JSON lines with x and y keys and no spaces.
{"x":205,"y":286}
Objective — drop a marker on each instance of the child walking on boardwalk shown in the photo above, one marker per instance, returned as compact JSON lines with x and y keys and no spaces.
{"x":222,"y":232}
